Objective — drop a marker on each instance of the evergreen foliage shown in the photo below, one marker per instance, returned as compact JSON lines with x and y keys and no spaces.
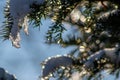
{"x":96,"y":51}
{"x":5,"y":75}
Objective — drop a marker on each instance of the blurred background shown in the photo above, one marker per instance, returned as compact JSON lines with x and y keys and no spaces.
{"x":25,"y":62}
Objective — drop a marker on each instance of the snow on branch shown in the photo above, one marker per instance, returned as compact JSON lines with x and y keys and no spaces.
{"x":16,"y":12}
{"x":50,"y":65}
{"x":5,"y":75}
{"x":95,"y":63}
{"x":19,"y":12}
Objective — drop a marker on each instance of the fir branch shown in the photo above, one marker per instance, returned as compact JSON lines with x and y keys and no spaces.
{"x":6,"y":30}
{"x":94,"y":64}
{"x":38,"y":11}
{"x":5,"y":75}
{"x":65,"y":7}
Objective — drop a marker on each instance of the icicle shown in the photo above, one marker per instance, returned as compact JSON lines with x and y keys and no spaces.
{"x":15,"y":41}
{"x":25,"y":25}
{"x":23,"y":22}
